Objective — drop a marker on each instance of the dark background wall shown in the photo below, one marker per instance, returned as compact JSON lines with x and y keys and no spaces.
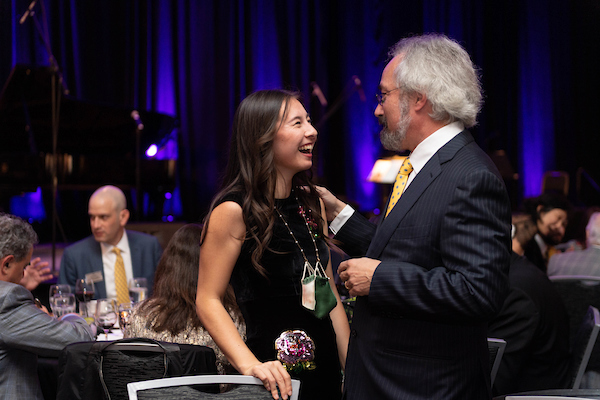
{"x":193,"y":61}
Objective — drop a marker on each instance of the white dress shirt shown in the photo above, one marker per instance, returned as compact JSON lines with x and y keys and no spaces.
{"x":108,"y":262}
{"x":418,"y":158}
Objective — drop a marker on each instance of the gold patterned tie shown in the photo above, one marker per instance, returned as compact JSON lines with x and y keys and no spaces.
{"x":121,"y":279}
{"x":400,"y":184}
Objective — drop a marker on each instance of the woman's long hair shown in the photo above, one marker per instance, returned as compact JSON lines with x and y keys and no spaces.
{"x":173,"y":302}
{"x":251,"y":171}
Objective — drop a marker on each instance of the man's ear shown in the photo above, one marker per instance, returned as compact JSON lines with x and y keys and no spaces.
{"x":4,"y":263}
{"x":124,"y":217}
{"x":419,"y":101}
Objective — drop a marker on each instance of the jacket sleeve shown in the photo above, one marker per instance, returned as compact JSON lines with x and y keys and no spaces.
{"x":354,"y":237}
{"x":28,"y":328}
{"x":468,"y":248}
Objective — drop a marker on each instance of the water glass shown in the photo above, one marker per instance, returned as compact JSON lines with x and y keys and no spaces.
{"x":124,"y":315}
{"x":138,"y":289}
{"x":62,"y":304}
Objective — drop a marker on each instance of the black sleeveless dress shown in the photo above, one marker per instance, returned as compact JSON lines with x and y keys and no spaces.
{"x":272,"y":305}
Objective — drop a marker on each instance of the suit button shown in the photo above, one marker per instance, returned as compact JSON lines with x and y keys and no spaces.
{"x":353,"y":333}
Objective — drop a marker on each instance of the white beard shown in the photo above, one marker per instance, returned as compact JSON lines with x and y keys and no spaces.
{"x":394,"y":140}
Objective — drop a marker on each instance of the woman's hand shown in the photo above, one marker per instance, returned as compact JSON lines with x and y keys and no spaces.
{"x":333,"y":205}
{"x":272,"y":374}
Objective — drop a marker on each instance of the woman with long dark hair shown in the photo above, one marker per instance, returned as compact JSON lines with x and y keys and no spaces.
{"x":169,"y":314}
{"x":266,"y":234}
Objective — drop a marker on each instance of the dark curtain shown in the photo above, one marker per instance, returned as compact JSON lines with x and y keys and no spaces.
{"x":195,"y":61}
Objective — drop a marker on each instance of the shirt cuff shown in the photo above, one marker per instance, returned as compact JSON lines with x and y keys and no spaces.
{"x":339,"y":221}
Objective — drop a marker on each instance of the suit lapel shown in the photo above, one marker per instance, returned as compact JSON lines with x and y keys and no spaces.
{"x":413,"y":192}
{"x":97,"y":265}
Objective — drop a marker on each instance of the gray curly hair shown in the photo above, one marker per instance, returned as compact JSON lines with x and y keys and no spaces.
{"x":593,"y":229}
{"x":439,"y":67}
{"x":17,"y":237}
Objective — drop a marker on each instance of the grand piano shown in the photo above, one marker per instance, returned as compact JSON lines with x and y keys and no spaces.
{"x":96,"y":144}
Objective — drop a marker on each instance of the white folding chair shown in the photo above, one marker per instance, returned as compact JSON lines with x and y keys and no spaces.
{"x":134,"y":387}
{"x":542,"y":397}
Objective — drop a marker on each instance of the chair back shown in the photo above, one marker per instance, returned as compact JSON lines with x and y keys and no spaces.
{"x":121,"y":363}
{"x":169,"y":388}
{"x":496,"y":348}
{"x":578,"y":292}
{"x":555,"y":181}
{"x":101,"y":370}
{"x":584,"y":344}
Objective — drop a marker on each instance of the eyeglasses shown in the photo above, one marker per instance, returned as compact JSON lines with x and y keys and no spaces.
{"x":381,"y":96}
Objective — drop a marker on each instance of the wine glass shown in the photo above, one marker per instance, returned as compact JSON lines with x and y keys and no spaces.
{"x":84,"y":291}
{"x":106,"y":314}
{"x":58,"y":289}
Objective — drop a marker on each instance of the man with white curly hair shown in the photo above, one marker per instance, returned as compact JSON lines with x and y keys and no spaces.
{"x":431,"y":274}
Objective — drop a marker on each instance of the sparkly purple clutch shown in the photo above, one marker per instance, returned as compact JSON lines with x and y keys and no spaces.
{"x":295,"y":350}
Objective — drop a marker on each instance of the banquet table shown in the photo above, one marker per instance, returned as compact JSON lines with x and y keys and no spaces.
{"x":48,"y":367}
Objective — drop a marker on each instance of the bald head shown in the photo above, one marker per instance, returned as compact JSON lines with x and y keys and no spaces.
{"x":112,"y":193}
{"x":108,"y":214}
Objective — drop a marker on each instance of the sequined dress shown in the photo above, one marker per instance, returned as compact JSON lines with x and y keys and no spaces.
{"x":141,"y":326}
{"x":272,"y":305}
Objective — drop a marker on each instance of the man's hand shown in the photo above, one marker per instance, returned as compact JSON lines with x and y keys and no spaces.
{"x":333,"y":205}
{"x":35,"y":273}
{"x":44,"y":309}
{"x":357,"y":274}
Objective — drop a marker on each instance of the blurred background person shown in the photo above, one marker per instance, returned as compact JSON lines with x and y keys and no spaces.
{"x":550,"y":212}
{"x":584,"y":262}
{"x":102,"y":257}
{"x":523,"y":231}
{"x":170,"y":313}
{"x":27,"y":331}
{"x":534,"y":322}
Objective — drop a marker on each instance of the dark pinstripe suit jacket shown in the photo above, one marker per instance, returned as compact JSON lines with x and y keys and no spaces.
{"x":445,"y":252}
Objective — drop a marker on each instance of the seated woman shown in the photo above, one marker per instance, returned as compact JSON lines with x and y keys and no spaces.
{"x":169,"y":314}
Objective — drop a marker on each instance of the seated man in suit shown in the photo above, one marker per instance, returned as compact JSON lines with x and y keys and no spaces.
{"x":585,"y":262}
{"x":111,"y":256}
{"x":27,"y":331}
{"x":534,"y":323}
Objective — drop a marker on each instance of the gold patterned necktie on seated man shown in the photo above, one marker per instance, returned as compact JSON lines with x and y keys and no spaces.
{"x":399,"y":184}
{"x":121,"y":278}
